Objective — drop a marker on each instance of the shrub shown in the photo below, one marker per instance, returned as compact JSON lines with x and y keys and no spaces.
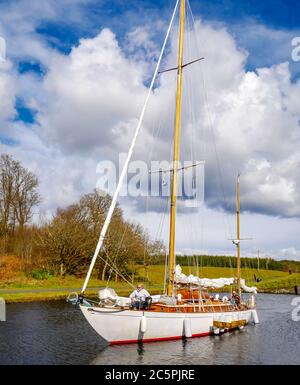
{"x":40,"y":274}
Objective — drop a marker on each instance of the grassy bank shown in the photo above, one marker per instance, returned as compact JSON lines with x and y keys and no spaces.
{"x":58,"y":288}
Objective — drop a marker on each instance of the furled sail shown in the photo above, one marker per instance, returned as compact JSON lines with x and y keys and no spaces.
{"x":109,"y":296}
{"x":248,"y":289}
{"x":216,"y":283}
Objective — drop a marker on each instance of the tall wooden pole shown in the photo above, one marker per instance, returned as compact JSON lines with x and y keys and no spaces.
{"x":238,"y":210}
{"x":176,"y":152}
{"x":127,"y":161}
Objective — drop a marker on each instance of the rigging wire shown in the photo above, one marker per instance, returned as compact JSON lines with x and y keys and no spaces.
{"x":191,"y":139}
{"x":119,"y":248}
{"x":115,"y":269}
{"x":156,"y":134}
{"x":124,"y":170}
{"x":225,"y":218}
{"x":207,"y":105}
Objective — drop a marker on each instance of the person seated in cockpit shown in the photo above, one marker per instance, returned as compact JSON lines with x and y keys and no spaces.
{"x":139,"y":297}
{"x":235,"y":299}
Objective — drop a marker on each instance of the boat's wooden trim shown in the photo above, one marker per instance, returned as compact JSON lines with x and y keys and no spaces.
{"x":229,"y":325}
{"x":208,"y":307}
{"x":192,"y":308}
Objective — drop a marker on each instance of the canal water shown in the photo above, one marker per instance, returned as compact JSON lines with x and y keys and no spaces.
{"x":56,"y":333}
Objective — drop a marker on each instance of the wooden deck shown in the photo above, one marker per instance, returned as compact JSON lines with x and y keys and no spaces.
{"x":207,"y":307}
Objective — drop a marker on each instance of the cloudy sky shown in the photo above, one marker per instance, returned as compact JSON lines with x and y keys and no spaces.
{"x":75,"y":78}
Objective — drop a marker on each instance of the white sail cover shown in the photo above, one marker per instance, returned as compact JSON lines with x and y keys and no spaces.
{"x":216,"y":283}
{"x":110,"y":295}
{"x":248,"y":289}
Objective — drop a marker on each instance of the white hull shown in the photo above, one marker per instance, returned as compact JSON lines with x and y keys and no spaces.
{"x":129,"y":326}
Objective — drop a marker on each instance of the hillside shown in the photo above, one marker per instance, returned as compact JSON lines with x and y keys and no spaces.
{"x":23,"y":289}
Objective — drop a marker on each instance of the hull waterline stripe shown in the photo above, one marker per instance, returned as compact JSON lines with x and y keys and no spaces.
{"x":157,"y":339}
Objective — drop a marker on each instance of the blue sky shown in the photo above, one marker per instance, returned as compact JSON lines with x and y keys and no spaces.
{"x":239,"y":17}
{"x":66,"y":29}
{"x":123,"y":15}
{"x":45,"y":39}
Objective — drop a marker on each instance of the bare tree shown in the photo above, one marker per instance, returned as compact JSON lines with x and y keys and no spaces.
{"x":25,"y":195}
{"x":69,"y":240}
{"x":7,"y":170}
{"x":18,"y":194}
{"x":66,"y":243}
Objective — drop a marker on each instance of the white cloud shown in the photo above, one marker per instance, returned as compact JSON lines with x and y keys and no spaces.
{"x":7,"y":91}
{"x":89,"y":101}
{"x":2,"y":49}
{"x":92,"y":95}
{"x":290,"y":253}
{"x":263,"y":122}
{"x":140,"y":44}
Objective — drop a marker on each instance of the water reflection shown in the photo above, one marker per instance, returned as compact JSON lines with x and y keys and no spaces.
{"x":55,"y":333}
{"x":140,"y":351}
{"x":276,"y":340}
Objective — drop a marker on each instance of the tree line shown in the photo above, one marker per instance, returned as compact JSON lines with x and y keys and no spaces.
{"x":64,"y":244}
{"x":231,"y":262}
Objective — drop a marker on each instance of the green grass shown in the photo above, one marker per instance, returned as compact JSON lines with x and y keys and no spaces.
{"x":156,"y":273}
{"x":22,"y":282}
{"x":66,"y":284}
{"x":287,"y":282}
{"x":31,"y":297}
{"x":122,"y":290}
{"x":272,"y":281}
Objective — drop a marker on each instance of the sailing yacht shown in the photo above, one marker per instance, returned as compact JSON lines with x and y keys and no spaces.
{"x":186,"y":309}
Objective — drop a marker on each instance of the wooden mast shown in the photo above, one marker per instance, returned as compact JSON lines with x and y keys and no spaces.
{"x":176,"y":152}
{"x":238,"y":235}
